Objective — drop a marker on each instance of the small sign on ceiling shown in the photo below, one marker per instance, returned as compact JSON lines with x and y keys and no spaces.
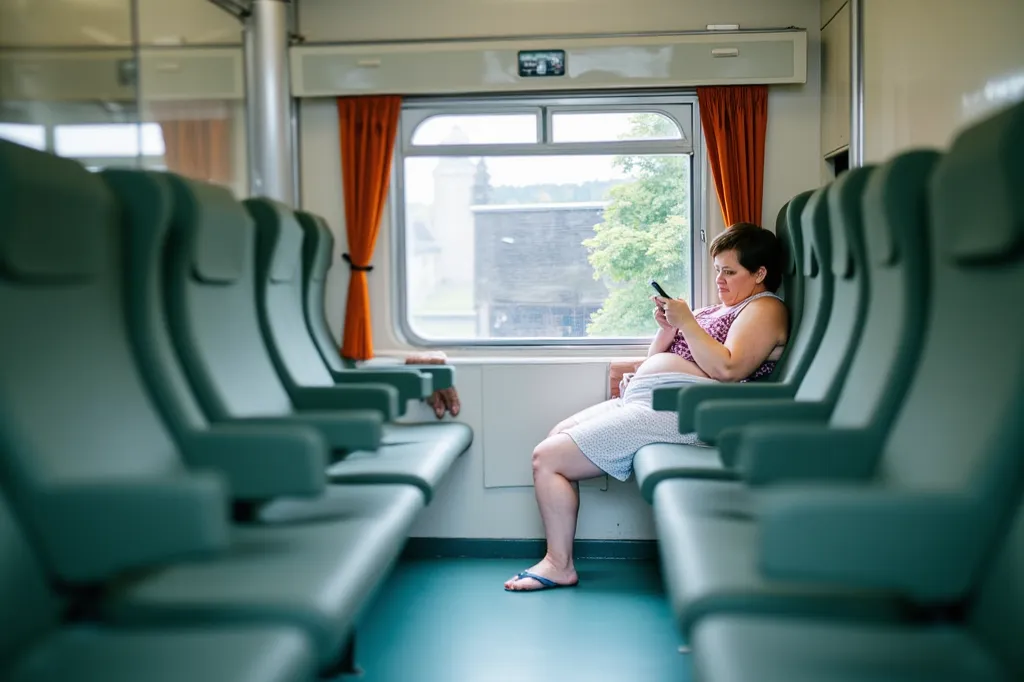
{"x":541,"y":63}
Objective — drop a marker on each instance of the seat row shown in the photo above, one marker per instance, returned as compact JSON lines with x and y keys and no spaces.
{"x":192,"y":485}
{"x":860,"y":516}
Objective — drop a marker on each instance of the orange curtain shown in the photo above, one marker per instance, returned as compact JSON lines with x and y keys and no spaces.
{"x":199,"y":149}
{"x":734,"y":119}
{"x":367,"y":127}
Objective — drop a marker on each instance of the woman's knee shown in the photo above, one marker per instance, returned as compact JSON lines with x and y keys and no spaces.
{"x":545,"y":455}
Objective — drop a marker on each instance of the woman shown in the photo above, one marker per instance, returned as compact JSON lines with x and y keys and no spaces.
{"x":738,"y":340}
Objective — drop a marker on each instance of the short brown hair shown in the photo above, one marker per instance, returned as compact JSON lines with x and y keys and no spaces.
{"x":755,"y":247}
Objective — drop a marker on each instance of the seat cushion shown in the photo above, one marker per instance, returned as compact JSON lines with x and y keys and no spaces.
{"x":741,"y":649}
{"x":660,"y":461}
{"x":416,"y":454}
{"x":311,"y":564}
{"x":252,"y":654}
{"x":707,"y":538}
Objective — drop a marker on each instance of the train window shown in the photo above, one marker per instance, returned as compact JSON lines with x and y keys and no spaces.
{"x":109,"y":140}
{"x":25,"y":134}
{"x":528,"y":222}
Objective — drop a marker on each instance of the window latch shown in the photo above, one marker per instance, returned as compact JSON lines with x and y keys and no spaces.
{"x":703,"y":237}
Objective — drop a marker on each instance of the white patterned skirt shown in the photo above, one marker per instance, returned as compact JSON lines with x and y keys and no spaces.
{"x":612,"y":433}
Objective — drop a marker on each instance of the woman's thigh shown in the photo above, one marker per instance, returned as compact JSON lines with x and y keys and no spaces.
{"x":584,"y":415}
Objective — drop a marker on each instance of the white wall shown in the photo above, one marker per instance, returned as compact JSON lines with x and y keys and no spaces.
{"x":466,"y":507}
{"x":933,"y":66}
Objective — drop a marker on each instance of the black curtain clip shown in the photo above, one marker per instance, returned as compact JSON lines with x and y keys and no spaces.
{"x":354,"y":267}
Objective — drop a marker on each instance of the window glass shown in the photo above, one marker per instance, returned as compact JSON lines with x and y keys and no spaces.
{"x":476,"y":129}
{"x":508,"y":246}
{"x":109,"y":140}
{"x":611,"y":127}
{"x":25,"y":134}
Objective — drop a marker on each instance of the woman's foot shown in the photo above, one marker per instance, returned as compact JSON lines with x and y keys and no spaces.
{"x":563,"y":576}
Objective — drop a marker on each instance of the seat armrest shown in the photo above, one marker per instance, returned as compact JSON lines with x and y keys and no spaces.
{"x":411,"y":384}
{"x":379,"y":397}
{"x":712,"y":417}
{"x":665,"y":398}
{"x":443,"y":376}
{"x":262,"y":462}
{"x":344,"y":432}
{"x":775,"y":453}
{"x":92,"y":531}
{"x":866,"y":537}
{"x":692,"y":395}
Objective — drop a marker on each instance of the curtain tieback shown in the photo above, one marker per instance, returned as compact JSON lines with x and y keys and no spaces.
{"x":354,"y":267}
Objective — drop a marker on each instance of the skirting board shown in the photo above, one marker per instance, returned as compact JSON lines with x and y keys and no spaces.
{"x":485,"y":548}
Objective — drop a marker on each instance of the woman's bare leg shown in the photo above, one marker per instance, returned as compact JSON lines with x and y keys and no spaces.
{"x":557,"y":466}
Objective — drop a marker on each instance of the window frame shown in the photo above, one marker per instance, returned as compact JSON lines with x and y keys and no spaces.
{"x":417,"y":110}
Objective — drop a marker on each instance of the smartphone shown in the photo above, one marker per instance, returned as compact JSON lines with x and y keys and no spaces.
{"x":657,"y":287}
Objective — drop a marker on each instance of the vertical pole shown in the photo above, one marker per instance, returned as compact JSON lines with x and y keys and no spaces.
{"x":252,"y":139}
{"x":856,"y":83}
{"x":271,"y":99}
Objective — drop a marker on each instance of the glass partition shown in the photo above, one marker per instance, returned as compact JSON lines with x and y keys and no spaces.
{"x":119,"y":84}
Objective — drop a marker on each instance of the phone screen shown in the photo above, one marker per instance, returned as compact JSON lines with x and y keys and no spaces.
{"x":657,"y":287}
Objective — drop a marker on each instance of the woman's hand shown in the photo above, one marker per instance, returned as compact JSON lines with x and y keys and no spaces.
{"x":675,"y":310}
{"x":659,"y":317}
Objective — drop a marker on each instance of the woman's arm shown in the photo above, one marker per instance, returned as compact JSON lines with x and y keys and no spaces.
{"x":666,"y":333}
{"x":757,"y":330}
{"x":662,"y":340}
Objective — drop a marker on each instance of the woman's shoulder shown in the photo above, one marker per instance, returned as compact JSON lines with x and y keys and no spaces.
{"x":768,"y":306}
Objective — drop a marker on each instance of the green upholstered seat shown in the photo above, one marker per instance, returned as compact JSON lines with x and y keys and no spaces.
{"x":427,"y":459}
{"x":920,"y":516}
{"x":837,"y":289}
{"x":896,"y":238}
{"x":810,"y":299}
{"x":148,"y":201}
{"x":982,"y":647}
{"x":279,"y":295}
{"x":98,"y":479}
{"x":317,"y":254}
{"x":37,"y":646}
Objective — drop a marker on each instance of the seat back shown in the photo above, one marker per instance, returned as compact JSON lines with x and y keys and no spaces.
{"x":317,"y":252}
{"x":146,"y":200}
{"x":817,"y":286}
{"x":959,"y":431}
{"x":897,"y":247}
{"x":74,"y":410}
{"x":996,"y":617}
{"x":28,"y":608}
{"x":787,"y":229}
{"x":210,"y":279}
{"x":279,"y":295}
{"x":67,"y":383}
{"x":846,"y":263}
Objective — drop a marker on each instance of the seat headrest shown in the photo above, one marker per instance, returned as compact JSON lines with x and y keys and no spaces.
{"x":220,"y":229}
{"x":145,"y":197}
{"x":318,"y":247}
{"x":48,"y":240}
{"x":278,"y":226}
{"x":895,"y":199}
{"x":814,"y":223}
{"x":792,"y":234}
{"x":977,"y":192}
{"x":845,"y":219}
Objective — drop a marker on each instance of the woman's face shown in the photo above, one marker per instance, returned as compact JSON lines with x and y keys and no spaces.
{"x":734,"y":282}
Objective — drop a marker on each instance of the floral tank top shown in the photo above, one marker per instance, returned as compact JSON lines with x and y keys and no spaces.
{"x":716,"y":321}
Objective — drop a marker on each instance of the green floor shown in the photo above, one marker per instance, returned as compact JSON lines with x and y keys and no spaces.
{"x":450,"y":620}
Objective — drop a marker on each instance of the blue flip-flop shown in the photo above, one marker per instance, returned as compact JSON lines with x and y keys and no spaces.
{"x":546,"y":583}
